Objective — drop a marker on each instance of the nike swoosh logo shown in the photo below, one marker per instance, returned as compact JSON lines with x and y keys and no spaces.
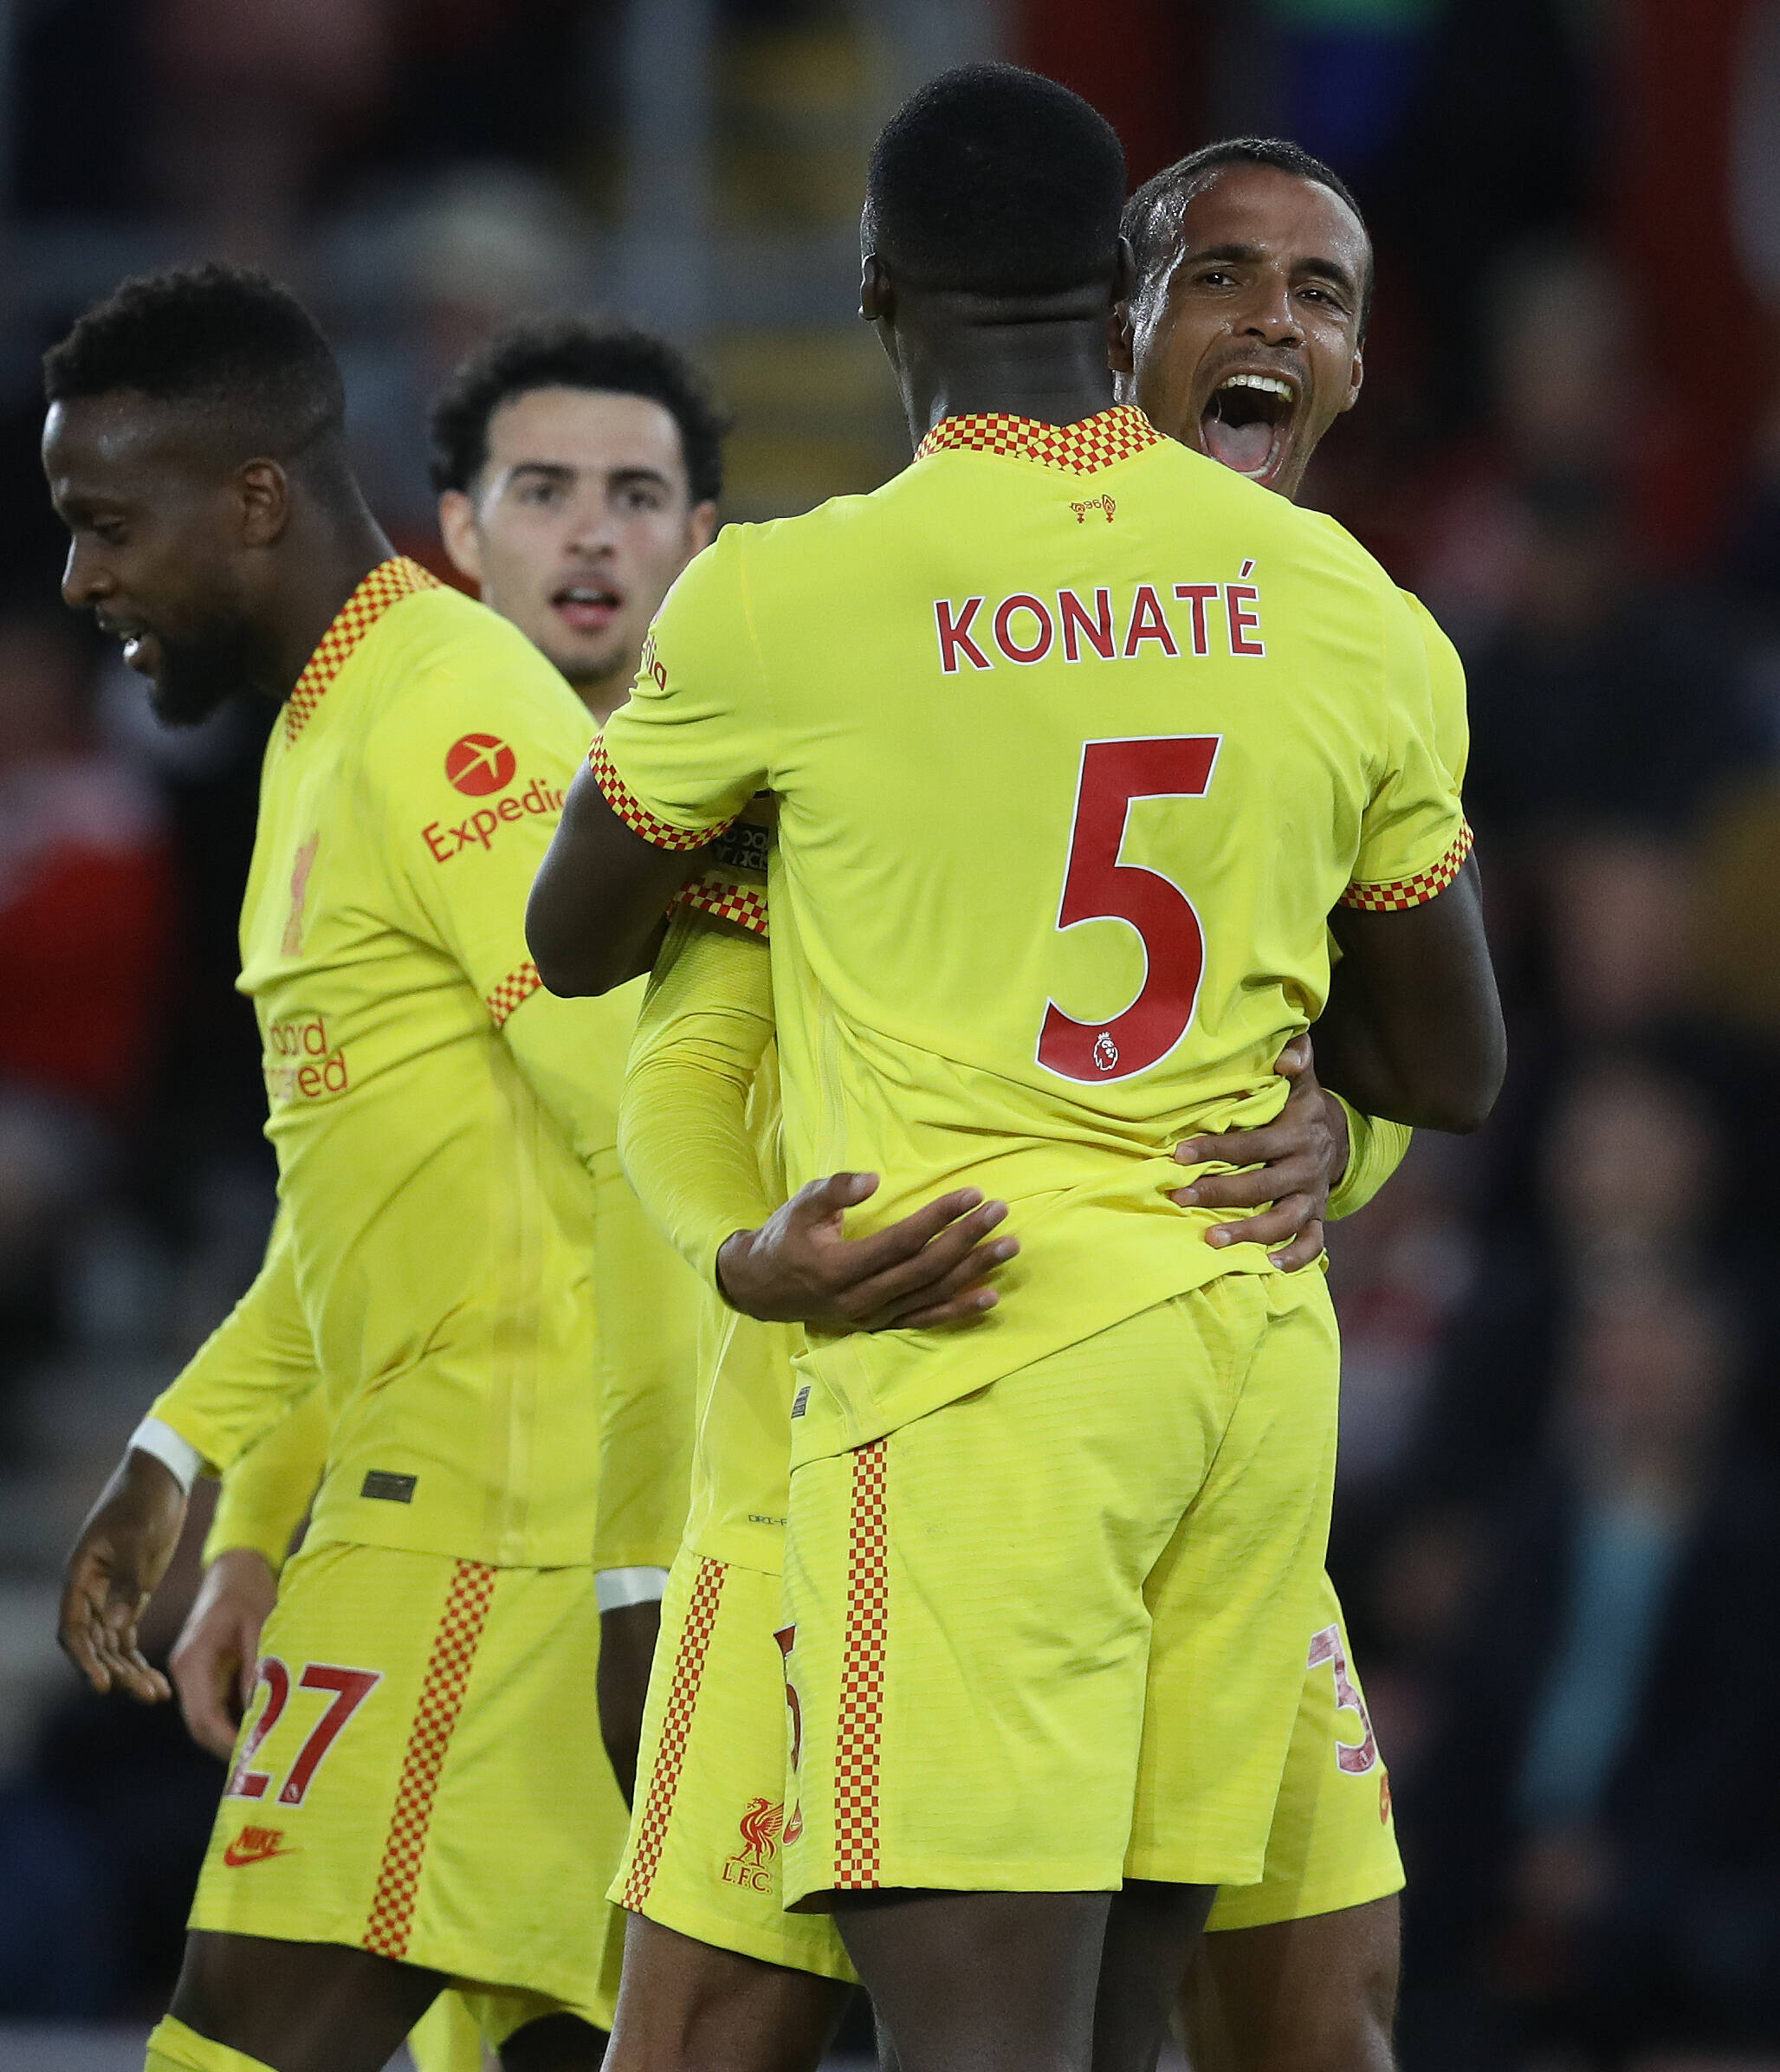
{"x":234,"y":1856}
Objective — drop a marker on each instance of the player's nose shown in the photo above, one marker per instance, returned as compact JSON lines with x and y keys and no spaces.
{"x":85,"y":578}
{"x":1271,"y":316}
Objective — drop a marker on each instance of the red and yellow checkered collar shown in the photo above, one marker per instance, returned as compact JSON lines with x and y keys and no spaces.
{"x":1080,"y":449}
{"x":387,"y":584}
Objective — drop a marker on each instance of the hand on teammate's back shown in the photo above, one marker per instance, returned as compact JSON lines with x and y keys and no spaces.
{"x":122,"y":1553}
{"x":1295,"y":1161}
{"x":217,"y":1657}
{"x":800,"y":1266}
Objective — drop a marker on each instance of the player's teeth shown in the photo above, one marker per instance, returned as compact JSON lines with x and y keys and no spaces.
{"x":1266,"y":382}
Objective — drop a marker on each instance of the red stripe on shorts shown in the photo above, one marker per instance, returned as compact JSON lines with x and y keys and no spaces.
{"x":859,"y":1729}
{"x":676,"y":1727}
{"x":441,"y":1699}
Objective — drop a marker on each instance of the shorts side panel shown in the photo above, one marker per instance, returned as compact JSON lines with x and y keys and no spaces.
{"x":420,"y":1774}
{"x":971,"y":1599}
{"x":1234,"y":1594}
{"x":705,"y":1856}
{"x":1333,"y":1842}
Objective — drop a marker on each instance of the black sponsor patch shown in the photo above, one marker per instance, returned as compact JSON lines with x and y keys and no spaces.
{"x":800,"y":1401}
{"x":742,"y":846}
{"x":386,"y":1489}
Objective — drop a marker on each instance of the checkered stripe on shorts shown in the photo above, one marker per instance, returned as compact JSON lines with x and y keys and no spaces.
{"x":387,"y":584}
{"x":661,"y":834}
{"x":1081,"y":449}
{"x":859,"y":1729}
{"x":454,"y":1648}
{"x":676,"y":1727}
{"x":745,"y":906}
{"x":1404,"y":892}
{"x":513,"y":991}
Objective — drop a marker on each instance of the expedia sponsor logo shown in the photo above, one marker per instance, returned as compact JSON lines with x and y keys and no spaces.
{"x":255,"y":1845}
{"x":480,"y":765}
{"x":445,"y":841}
{"x":299,"y":1064}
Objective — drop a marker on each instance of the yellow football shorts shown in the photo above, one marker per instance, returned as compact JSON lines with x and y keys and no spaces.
{"x":704,"y":1855}
{"x":1052,"y":1633}
{"x":1333,"y":1842}
{"x":420,"y":1774}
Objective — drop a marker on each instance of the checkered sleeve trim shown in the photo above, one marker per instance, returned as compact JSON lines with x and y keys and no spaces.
{"x":745,"y":906}
{"x":1102,"y":440}
{"x":513,"y":991}
{"x":651,"y":1829}
{"x":859,"y":1728}
{"x":454,"y":1648}
{"x":1402,"y":893}
{"x":662,"y":834}
{"x":387,"y":585}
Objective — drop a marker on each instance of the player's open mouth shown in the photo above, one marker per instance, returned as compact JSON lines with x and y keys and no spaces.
{"x":1247,"y":424}
{"x":588,"y":607}
{"x":142,"y":651}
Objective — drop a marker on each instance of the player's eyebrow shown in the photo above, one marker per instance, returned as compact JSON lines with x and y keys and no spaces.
{"x":1319,"y":268}
{"x":623,"y":478}
{"x":551,"y":470}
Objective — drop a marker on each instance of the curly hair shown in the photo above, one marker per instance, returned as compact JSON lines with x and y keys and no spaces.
{"x":216,"y":336}
{"x":572,"y":353}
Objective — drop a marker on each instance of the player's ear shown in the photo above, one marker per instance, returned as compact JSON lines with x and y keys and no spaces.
{"x":457,"y":530}
{"x":702,"y":526}
{"x":1355,"y":379}
{"x":877,"y":300}
{"x":264,"y":493}
{"x":1119,"y":339}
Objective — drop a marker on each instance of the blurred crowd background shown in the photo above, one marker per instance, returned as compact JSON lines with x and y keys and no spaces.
{"x":1558,"y":1524}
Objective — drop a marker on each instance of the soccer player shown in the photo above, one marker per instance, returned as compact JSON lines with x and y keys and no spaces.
{"x":1254,"y":272}
{"x":578,"y":467}
{"x":420,"y":1797}
{"x":976,"y":1776}
{"x":1306,"y":1968}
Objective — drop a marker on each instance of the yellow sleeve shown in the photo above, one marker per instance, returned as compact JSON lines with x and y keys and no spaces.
{"x":250,"y":1370}
{"x":683,"y":758}
{"x":682,"y":1132}
{"x":266,"y":1493}
{"x":1413,"y":835}
{"x":648,"y":1305}
{"x":1375,"y":1149}
{"x":1446,"y":673}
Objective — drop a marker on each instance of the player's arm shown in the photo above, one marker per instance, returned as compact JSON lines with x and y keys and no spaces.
{"x":683,"y":1135}
{"x":673,"y":768}
{"x":258,"y":1361}
{"x":1413,"y":1031}
{"x":262,"y":1502}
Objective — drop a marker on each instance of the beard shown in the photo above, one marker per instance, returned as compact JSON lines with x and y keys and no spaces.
{"x":199,"y":674}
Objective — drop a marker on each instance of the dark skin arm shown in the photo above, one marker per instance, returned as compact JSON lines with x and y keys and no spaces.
{"x":1412,"y":1030}
{"x":599,"y":896}
{"x":627,"y":1638}
{"x":122,"y":1553}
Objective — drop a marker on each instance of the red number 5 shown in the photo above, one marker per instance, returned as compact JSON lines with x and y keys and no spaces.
{"x":1098,"y":887}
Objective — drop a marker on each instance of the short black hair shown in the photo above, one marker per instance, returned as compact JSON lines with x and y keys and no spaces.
{"x":576,"y":353}
{"x":998,"y":181}
{"x":1153,"y":216}
{"x":214,"y":336}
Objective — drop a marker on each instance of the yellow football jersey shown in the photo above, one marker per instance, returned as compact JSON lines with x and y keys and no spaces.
{"x":1076,"y":739}
{"x":436,"y":1114}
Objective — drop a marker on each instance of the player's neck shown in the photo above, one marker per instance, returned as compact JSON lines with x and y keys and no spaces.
{"x":326,"y":557}
{"x":1053,"y":371}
